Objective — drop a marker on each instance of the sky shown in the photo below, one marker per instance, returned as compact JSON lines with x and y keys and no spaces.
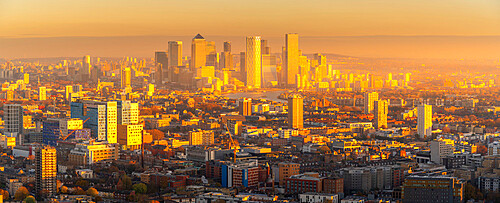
{"x":50,"y":18}
{"x":75,"y":22}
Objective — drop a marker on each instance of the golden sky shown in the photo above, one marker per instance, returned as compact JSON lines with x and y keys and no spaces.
{"x":56,"y":18}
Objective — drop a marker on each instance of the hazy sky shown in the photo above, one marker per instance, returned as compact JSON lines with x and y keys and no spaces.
{"x":55,"y":18}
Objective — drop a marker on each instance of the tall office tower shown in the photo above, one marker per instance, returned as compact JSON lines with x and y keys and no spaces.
{"x":370,"y":98}
{"x":126,"y":76}
{"x":226,"y":59}
{"x":161,"y":63}
{"x":102,"y":118}
{"x":424,"y":120}
{"x":26,"y":78}
{"x":291,"y":58}
{"x":381,"y":110}
{"x":128,"y":112}
{"x":245,"y":107}
{"x":269,"y":66}
{"x":67,"y":92}
{"x":253,"y":62}
{"x":212,"y":55}
{"x":296,"y":112}
{"x":175,"y":53}
{"x":86,"y":68}
{"x":265,"y":49}
{"x":198,"y":53}
{"x":243,"y":72}
{"x":321,"y":60}
{"x":46,"y":171}
{"x":227,"y":46}
{"x":42,"y":93}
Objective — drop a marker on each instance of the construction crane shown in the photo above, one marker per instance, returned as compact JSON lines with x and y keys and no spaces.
{"x":232,"y":144}
{"x":69,"y":134}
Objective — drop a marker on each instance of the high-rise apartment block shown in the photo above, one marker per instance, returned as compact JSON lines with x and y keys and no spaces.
{"x":46,"y":171}
{"x":380,"y":112}
{"x":424,"y":120}
{"x":42,"y":93}
{"x":369,"y":100}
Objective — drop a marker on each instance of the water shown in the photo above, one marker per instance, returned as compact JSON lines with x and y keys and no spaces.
{"x":268,"y":95}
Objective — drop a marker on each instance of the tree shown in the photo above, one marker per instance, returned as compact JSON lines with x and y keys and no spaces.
{"x":140,"y":188}
{"x":125,"y":183}
{"x":21,"y":194}
{"x":92,"y":192}
{"x":29,"y":199}
{"x":82,"y":183}
{"x":5,"y":194}
{"x":472,"y":192}
{"x":64,"y":189}
{"x":481,"y":149}
{"x":79,"y":191}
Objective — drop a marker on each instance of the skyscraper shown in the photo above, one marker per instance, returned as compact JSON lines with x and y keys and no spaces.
{"x":245,"y":107}
{"x":67,"y":92}
{"x":369,"y":99}
{"x":253,"y":62}
{"x":46,"y":171}
{"x":175,"y":53}
{"x":226,"y":59}
{"x":424,"y":120}
{"x":161,"y":63}
{"x":128,"y":112}
{"x":291,"y":58}
{"x":86,"y":68}
{"x":126,"y":77}
{"x":380,"y":112}
{"x":296,"y":112}
{"x":198,"y":53}
{"x":42,"y":93}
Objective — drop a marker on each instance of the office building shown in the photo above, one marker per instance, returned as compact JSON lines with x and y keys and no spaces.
{"x":198,"y":53}
{"x":130,"y":136}
{"x":440,"y":150}
{"x":92,"y":152}
{"x":42,"y":93}
{"x":369,"y":100}
{"x":102,"y":118}
{"x":303,"y":183}
{"x":86,"y":68}
{"x":494,"y":148}
{"x":424,"y":189}
{"x":253,"y":62}
{"x":380,"y":112}
{"x":128,"y":112}
{"x":424,"y":120}
{"x":296,"y":112}
{"x":201,"y":137}
{"x":67,"y":92}
{"x":285,"y":170}
{"x":13,"y":118}
{"x":291,"y":58}
{"x":46,"y":171}
{"x":245,"y":106}
{"x":226,"y":58}
{"x":161,"y":64}
{"x":175,"y":53}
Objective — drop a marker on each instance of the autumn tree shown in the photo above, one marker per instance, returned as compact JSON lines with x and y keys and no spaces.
{"x":21,"y":193}
{"x":92,"y":192}
{"x":140,"y":188}
{"x":5,"y":194}
{"x":29,"y":199}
